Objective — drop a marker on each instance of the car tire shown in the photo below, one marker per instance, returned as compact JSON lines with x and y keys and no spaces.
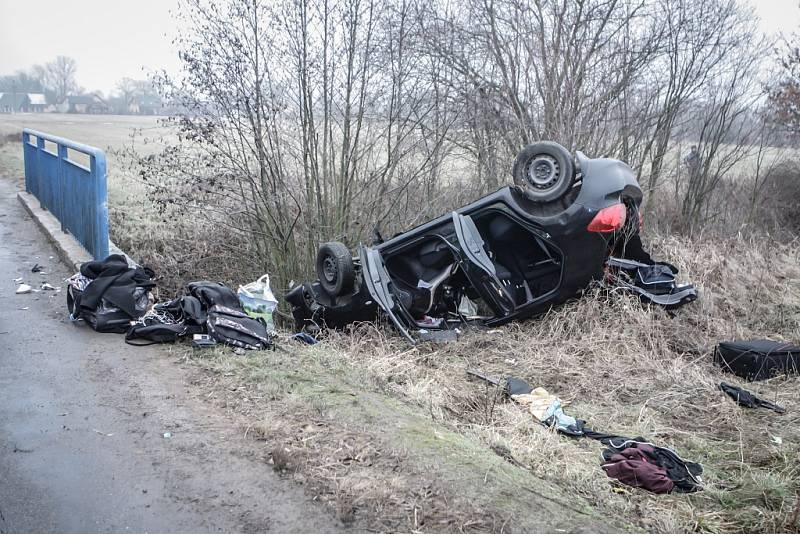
{"x":544,"y":171}
{"x":335,"y":268}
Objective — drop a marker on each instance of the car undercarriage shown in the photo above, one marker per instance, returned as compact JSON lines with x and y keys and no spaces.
{"x":509,"y":255}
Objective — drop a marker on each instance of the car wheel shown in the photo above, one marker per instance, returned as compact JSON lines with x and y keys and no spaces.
{"x":335,"y":268}
{"x":544,"y":171}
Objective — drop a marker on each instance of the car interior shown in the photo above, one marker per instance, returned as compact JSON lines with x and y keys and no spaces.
{"x":430,"y":284}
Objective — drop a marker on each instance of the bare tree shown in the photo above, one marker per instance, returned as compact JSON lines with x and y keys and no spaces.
{"x":698,"y":37}
{"x":302,"y":120}
{"x":309,"y":120}
{"x":127,"y":89}
{"x":784,"y":95}
{"x":60,"y":76}
{"x":727,"y":133}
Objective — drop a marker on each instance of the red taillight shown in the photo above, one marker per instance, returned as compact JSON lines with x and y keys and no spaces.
{"x":609,"y":219}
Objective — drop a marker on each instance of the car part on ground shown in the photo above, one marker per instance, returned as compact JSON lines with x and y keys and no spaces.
{"x":653,"y":283}
{"x":506,"y":256}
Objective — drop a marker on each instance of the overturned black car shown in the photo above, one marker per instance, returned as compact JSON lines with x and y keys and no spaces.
{"x":509,"y":255}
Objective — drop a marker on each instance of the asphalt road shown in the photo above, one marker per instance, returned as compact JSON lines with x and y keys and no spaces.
{"x":83,"y":418}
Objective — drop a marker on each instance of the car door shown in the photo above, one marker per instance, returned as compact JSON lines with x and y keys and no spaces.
{"x":379,"y":285}
{"x":478,"y":266}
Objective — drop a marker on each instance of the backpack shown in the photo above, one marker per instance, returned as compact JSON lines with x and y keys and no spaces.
{"x":105,"y":316}
{"x":234,"y":327}
{"x":758,"y":359}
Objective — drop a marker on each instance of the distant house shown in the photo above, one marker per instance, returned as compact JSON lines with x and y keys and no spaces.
{"x":14,"y":102}
{"x":22,"y":103}
{"x":90,"y":103}
{"x":38,"y":102}
{"x":79,"y":103}
{"x":145,"y":105}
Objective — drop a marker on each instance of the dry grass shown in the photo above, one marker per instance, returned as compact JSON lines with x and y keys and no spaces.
{"x":624,"y":367}
{"x":637,"y":371}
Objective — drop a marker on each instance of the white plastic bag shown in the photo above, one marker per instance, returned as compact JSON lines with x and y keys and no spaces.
{"x":258,"y":301}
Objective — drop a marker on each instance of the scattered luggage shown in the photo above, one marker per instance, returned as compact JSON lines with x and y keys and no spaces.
{"x":632,"y":461}
{"x":758,"y":359}
{"x":112,"y":296}
{"x":211,"y":309}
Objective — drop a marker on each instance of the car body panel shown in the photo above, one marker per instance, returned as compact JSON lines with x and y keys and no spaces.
{"x":479,"y":267}
{"x":378,"y":283}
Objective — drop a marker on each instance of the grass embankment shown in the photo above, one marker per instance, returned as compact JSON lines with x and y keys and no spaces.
{"x":400,"y":438}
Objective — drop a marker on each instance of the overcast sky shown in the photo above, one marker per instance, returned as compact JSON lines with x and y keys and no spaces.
{"x":113,"y":39}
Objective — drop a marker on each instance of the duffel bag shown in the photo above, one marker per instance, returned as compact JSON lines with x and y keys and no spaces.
{"x":108,"y":318}
{"x":758,"y":359}
{"x":234,"y":327}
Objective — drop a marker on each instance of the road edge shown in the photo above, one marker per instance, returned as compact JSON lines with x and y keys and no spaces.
{"x":69,"y":250}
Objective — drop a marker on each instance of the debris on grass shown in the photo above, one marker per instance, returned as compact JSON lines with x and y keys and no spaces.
{"x":360,"y":412}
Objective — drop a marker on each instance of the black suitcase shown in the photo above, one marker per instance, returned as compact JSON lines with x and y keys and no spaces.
{"x":758,"y":359}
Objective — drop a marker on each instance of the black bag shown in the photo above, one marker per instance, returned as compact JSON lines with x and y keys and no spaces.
{"x":186,"y":310}
{"x":758,"y":359}
{"x":150,"y":334}
{"x":169,"y":322}
{"x":115,"y":294}
{"x":108,"y":318}
{"x":234,"y":327}
{"x":212,"y":294}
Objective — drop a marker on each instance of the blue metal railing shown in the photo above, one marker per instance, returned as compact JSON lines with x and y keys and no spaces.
{"x":74,"y":193}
